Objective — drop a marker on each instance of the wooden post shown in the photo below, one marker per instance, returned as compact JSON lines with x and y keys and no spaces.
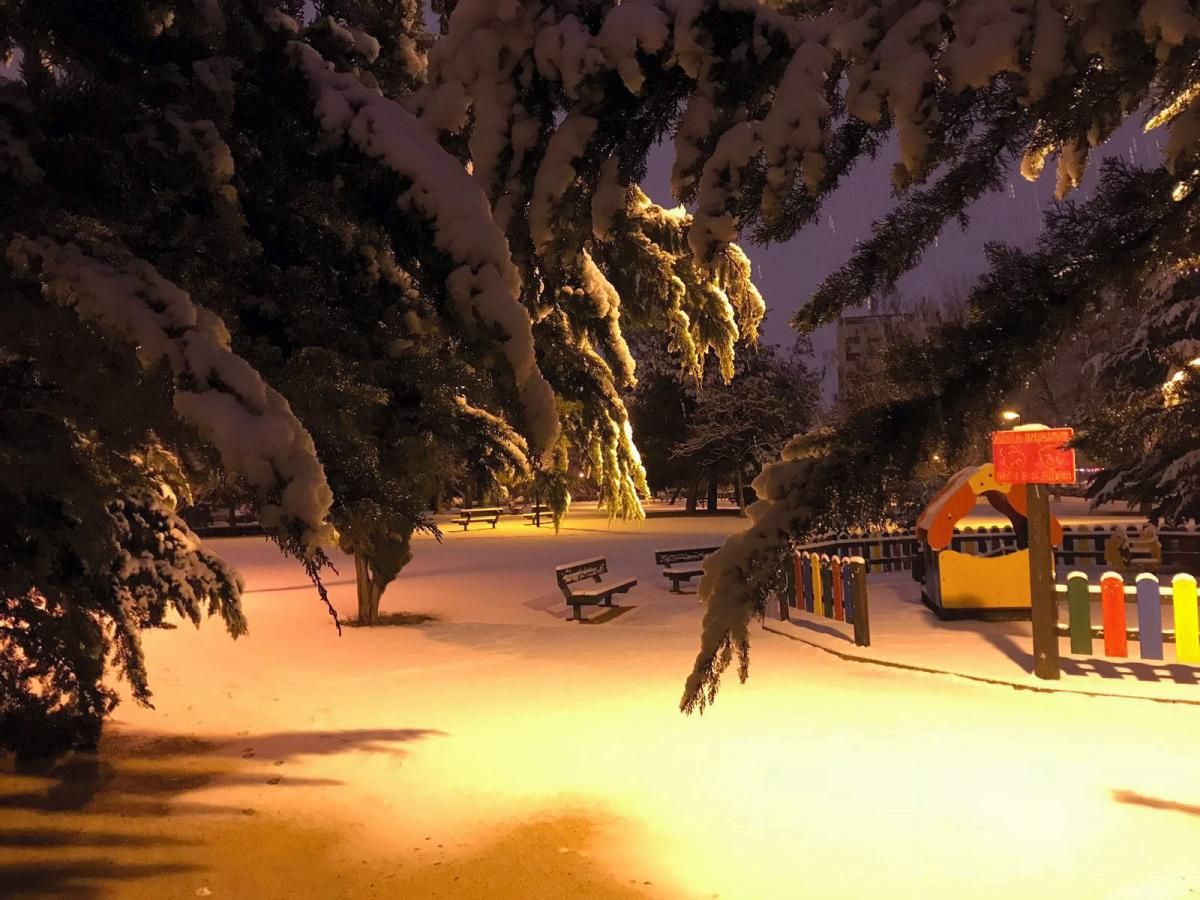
{"x":1044,"y":606}
{"x":862,"y":615}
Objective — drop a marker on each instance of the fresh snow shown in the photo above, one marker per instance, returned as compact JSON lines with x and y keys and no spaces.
{"x":505,"y":752}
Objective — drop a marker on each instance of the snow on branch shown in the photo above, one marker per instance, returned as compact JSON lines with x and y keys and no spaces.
{"x":486,"y":285}
{"x":249,"y":423}
{"x":514,"y":447}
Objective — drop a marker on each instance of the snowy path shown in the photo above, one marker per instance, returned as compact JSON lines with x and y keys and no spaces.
{"x":502,"y":752}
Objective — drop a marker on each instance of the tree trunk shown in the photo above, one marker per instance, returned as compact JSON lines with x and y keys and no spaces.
{"x":713,"y":486}
{"x":369,"y":593}
{"x":693,"y":494}
{"x":741,"y":491}
{"x":438,"y":500}
{"x":675,"y":492}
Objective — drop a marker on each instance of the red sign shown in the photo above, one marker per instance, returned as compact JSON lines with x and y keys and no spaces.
{"x":1037,"y":456}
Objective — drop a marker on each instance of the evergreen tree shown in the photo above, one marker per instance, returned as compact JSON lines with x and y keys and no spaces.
{"x":283,"y":169}
{"x":738,"y":427}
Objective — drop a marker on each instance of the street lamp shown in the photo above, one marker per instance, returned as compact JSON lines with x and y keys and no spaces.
{"x":1011,"y":415}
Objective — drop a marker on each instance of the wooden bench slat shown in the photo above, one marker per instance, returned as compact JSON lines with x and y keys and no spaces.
{"x":468,"y":515}
{"x":605,"y":588}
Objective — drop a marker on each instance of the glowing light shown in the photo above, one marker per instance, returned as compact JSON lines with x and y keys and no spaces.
{"x":1184,"y":186}
{"x":1010,"y":415}
{"x":1174,"y":108}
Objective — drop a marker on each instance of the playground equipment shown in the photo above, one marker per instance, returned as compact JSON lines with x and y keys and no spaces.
{"x":960,"y":585}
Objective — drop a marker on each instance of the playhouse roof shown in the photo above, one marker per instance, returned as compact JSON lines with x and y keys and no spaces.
{"x":958,"y":497}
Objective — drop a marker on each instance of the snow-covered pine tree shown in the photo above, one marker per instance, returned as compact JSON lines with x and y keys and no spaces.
{"x":270,"y":165}
{"x":227,"y":179}
{"x":561,"y":271}
{"x":95,"y":468}
{"x":555,"y":107}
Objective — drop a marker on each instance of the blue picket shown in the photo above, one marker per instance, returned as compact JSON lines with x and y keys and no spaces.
{"x":1150,"y":631}
{"x":826,"y":576}
{"x":847,"y":590}
{"x":807,"y":570}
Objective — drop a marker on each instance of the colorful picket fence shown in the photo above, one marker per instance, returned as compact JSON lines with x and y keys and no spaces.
{"x":897,"y":549}
{"x":1114,"y":629}
{"x":831,"y":586}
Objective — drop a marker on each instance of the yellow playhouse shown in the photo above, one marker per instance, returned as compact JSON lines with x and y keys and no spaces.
{"x":962,"y":585}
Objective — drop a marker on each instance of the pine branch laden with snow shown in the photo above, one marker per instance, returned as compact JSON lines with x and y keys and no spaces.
{"x":487,"y":75}
{"x":774,"y":108}
{"x":512,"y":447}
{"x":249,"y":423}
{"x":705,"y":309}
{"x":757,"y":128}
{"x":485,"y":287}
{"x":740,"y":575}
{"x":160,"y":565}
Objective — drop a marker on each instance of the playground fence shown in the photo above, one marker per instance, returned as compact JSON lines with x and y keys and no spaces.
{"x":831,"y":586}
{"x":1114,"y":630}
{"x":898,"y":549}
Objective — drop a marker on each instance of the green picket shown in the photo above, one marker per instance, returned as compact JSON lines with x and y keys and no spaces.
{"x":1079,"y":609}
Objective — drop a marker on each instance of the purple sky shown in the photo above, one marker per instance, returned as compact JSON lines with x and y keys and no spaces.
{"x":788,"y":273}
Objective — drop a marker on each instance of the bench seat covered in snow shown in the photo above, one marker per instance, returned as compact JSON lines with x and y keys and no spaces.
{"x":600,"y":592}
{"x":489,"y":514}
{"x":682,"y":564}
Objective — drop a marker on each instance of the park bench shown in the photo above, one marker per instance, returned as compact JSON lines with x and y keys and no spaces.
{"x":479,"y":514}
{"x":682,"y":564}
{"x":601,"y":592}
{"x":536,"y":515}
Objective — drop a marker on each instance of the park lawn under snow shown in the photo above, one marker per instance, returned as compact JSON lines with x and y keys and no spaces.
{"x":501,"y":751}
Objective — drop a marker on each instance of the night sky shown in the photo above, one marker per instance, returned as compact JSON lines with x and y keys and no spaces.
{"x":787,"y":273}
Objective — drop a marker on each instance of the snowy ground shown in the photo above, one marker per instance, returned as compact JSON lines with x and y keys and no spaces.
{"x":501,"y":751}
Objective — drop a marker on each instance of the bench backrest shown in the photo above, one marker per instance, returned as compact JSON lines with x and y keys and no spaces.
{"x":685,"y":554}
{"x":482,"y":512}
{"x":569,"y":573}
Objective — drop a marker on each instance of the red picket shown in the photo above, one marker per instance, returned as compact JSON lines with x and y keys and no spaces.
{"x":1112,"y":602}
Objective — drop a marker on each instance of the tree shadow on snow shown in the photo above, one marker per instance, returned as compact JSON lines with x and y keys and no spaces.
{"x":89,"y":823}
{"x":1133,"y":798}
{"x":804,"y":620}
{"x":396,"y":620}
{"x":1114,"y":670}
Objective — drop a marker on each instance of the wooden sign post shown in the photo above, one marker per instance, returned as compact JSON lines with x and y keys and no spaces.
{"x":1037,"y":457}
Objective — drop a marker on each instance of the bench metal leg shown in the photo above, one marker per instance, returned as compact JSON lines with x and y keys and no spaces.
{"x":675,"y":586}
{"x":578,"y":613}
